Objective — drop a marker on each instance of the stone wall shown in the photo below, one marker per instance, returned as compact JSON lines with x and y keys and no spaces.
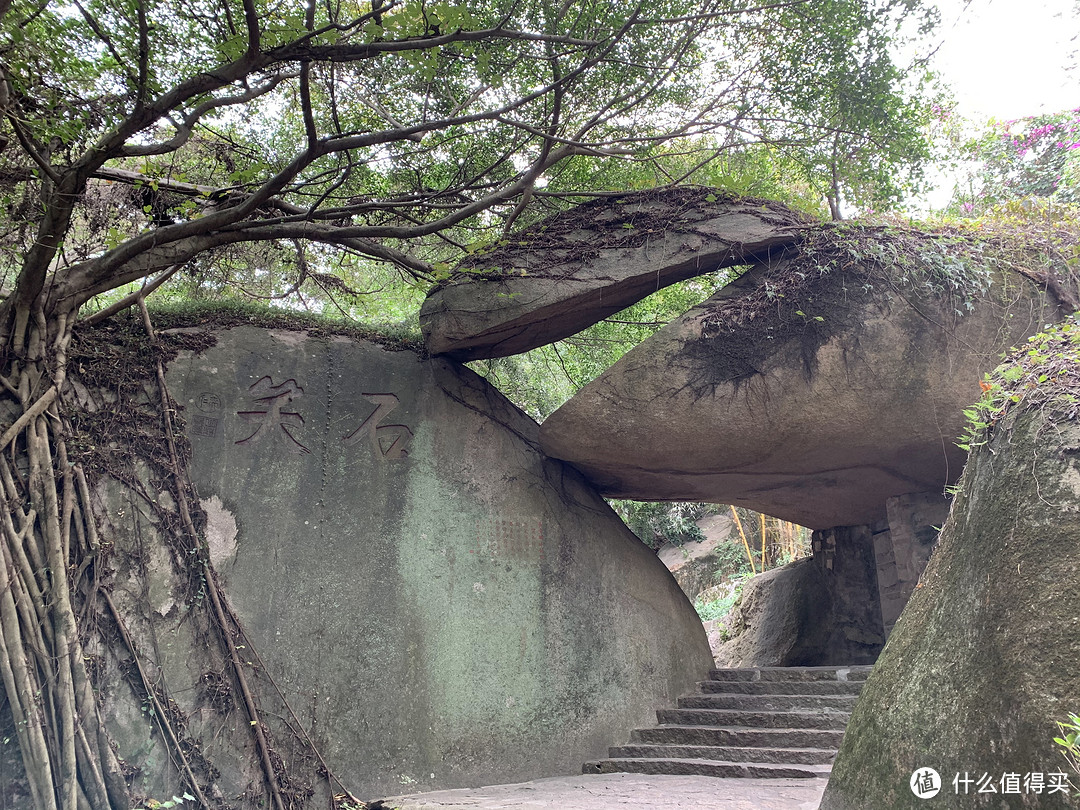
{"x":429,"y":598}
{"x":903,"y":550}
{"x":820,"y":611}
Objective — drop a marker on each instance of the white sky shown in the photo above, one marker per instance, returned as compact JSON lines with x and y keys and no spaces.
{"x":1010,"y":58}
{"x":1003,"y":59}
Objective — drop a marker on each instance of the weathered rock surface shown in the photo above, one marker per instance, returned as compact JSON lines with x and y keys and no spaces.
{"x":555,"y":279}
{"x":810,"y":396}
{"x":440,"y":603}
{"x":695,"y":564}
{"x":818,"y":611}
{"x":982,"y":662}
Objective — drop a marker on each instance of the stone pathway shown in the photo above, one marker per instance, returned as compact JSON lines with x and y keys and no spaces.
{"x":758,"y":722}
{"x":625,"y":790}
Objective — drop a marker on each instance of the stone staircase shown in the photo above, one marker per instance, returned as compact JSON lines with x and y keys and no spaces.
{"x":778,"y":722}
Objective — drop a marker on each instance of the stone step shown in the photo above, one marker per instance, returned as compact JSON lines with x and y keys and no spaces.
{"x":795,"y":756}
{"x":826,"y":718}
{"x":844,"y":703}
{"x":781,"y":687}
{"x":738,"y":737}
{"x":851,"y":673}
{"x":704,"y":767}
{"x":755,"y":722}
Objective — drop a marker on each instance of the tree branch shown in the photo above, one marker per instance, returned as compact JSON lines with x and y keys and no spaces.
{"x":184,"y":131}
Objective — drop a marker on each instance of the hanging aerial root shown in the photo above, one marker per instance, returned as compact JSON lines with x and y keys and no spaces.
{"x":22,"y":689}
{"x":261,"y":743}
{"x":160,"y":714}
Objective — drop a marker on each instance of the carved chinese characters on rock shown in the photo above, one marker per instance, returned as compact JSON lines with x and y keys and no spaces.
{"x":499,"y":537}
{"x":272,"y":419}
{"x":205,"y":423}
{"x":272,"y":422}
{"x":388,"y":441}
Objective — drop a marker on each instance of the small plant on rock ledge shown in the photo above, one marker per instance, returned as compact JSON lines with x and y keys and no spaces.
{"x":1070,"y":742}
{"x":1043,"y":374}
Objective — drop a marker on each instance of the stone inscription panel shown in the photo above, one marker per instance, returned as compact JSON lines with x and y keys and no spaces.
{"x":387,"y":441}
{"x":269,"y":417}
{"x":506,"y":539}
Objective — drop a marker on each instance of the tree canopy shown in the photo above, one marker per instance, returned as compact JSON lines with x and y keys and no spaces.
{"x":143,"y":134}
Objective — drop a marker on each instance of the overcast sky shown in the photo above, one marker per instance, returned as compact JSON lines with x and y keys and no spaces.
{"x":1010,"y":58}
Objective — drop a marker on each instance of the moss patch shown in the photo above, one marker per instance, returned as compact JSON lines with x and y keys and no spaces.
{"x":226,"y":314}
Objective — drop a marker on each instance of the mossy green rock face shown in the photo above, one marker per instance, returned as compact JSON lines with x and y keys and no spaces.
{"x":983,"y":660}
{"x":442,"y":605}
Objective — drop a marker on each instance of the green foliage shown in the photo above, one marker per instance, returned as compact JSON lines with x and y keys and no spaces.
{"x":175,"y":801}
{"x":928,"y":263}
{"x":868,"y":133}
{"x":398,"y":133}
{"x":1038,"y":156}
{"x":541,"y":380}
{"x":167,"y":313}
{"x":1044,"y":374}
{"x":745,"y":169}
{"x":806,"y":295}
{"x":656,"y":523}
{"x":1034,"y":237}
{"x":732,"y":561}
{"x":1070,"y":741}
{"x":719,"y":607}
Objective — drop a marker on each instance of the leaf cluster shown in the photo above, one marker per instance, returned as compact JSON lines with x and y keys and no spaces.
{"x":1045,"y":374}
{"x":395,"y":131}
{"x":1033,"y":157}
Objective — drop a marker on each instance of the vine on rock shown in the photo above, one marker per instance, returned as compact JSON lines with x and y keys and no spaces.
{"x":56,"y":606}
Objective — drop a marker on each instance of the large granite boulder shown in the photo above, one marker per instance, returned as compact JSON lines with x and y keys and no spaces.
{"x":438,"y":602}
{"x":569,"y":272}
{"x":817,"y":611}
{"x":807,"y":389}
{"x":982,"y":662}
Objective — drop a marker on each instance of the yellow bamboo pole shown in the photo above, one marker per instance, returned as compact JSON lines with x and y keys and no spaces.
{"x":742,"y":534}
{"x":762,"y":541}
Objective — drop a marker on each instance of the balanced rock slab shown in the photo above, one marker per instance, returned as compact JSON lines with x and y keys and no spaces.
{"x":810,"y":396}
{"x":567,"y":273}
{"x":440,"y":603}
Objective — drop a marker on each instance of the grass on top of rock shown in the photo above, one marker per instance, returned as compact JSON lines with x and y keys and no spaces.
{"x":225,"y":313}
{"x":953,"y":257}
{"x":613,"y":220}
